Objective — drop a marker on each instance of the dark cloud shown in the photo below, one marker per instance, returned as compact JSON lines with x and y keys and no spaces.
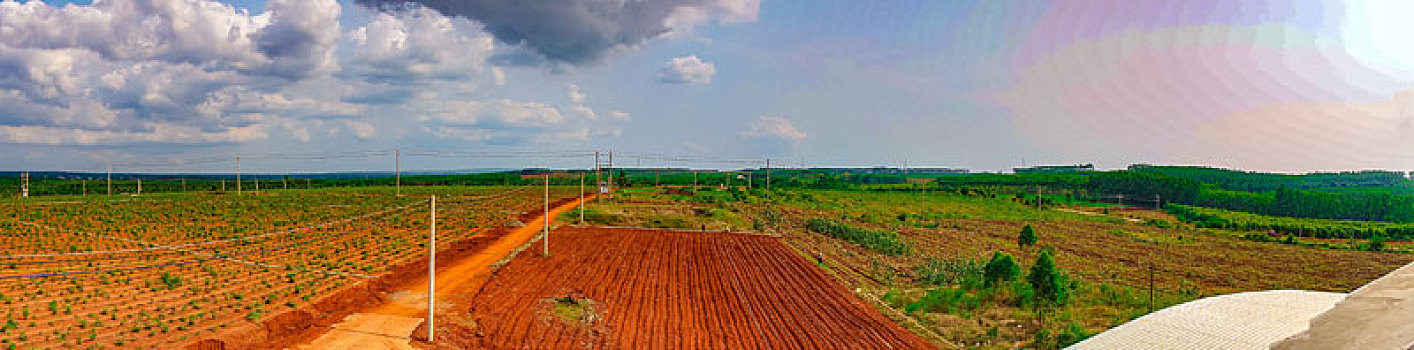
{"x":580,"y":31}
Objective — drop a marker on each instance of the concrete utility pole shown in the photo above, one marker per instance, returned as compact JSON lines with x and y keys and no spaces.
{"x":1038,"y":197}
{"x":694,"y":182}
{"x":238,"y":175}
{"x":581,"y":198}
{"x":110,"y":179}
{"x":24,"y":185}
{"x":84,"y":183}
{"x":432,"y":271}
{"x":286,"y":181}
{"x":768,"y":178}
{"x":184,"y":184}
{"x":611,"y":172}
{"x":139,"y":186}
{"x":546,"y":214}
{"x":223,"y":185}
{"x":597,"y":180}
{"x":398,"y":170}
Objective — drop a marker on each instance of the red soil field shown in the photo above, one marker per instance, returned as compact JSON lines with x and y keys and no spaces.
{"x":671,"y":290}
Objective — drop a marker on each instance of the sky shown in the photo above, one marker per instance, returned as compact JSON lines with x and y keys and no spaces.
{"x":324,"y":85}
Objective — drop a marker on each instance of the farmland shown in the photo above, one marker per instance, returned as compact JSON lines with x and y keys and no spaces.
{"x":159,"y":271}
{"x":933,"y":284}
{"x":673,"y":289}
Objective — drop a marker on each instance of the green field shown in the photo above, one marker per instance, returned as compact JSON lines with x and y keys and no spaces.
{"x":936,"y":286}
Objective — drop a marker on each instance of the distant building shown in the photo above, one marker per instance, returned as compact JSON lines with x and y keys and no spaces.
{"x":1053,"y":169}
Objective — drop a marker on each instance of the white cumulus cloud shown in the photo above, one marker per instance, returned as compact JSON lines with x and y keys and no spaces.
{"x":772,"y":127}
{"x":687,"y":70}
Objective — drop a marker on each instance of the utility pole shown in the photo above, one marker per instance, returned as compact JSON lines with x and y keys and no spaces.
{"x":238,"y":175}
{"x":223,"y":185}
{"x":24,"y":185}
{"x":1151,"y":287}
{"x":597,"y":180}
{"x":432,"y":271}
{"x":139,"y":186}
{"x":768,"y":178}
{"x":84,"y":182}
{"x":581,"y":199}
{"x":110,"y":179}
{"x":1038,"y":197}
{"x":184,"y":184}
{"x":308,"y":184}
{"x":611,"y":172}
{"x":286,"y":181}
{"x":1158,"y":202}
{"x":398,"y":170}
{"x":694,"y":182}
{"x":546,"y":214}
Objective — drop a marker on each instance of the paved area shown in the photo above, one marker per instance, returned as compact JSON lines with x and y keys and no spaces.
{"x":1379,"y":315}
{"x":1251,"y":320}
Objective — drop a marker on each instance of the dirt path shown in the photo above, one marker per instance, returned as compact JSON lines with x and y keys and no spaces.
{"x":1082,"y":212}
{"x":388,"y":326}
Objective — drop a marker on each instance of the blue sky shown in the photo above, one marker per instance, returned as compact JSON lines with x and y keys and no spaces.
{"x":986,"y":85}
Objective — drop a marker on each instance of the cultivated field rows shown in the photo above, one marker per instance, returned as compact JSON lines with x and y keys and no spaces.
{"x":188,"y":268}
{"x":666,"y":290}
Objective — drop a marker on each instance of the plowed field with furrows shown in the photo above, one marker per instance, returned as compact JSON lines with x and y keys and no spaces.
{"x":673,"y":290}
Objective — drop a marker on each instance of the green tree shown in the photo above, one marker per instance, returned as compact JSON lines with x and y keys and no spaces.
{"x":1050,"y":285}
{"x":1002,"y":268}
{"x":1027,"y":237}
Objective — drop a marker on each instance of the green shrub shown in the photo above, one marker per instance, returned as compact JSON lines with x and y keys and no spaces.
{"x":1002,"y":268}
{"x":887,"y":242}
{"x":1027,"y":237}
{"x":948,"y":272}
{"x":1073,"y":333}
{"x":1376,"y":244}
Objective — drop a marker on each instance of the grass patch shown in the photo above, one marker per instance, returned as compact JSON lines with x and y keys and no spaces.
{"x":574,"y":310}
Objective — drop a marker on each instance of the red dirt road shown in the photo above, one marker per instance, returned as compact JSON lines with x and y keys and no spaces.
{"x":389,"y":324}
{"x":673,"y":290}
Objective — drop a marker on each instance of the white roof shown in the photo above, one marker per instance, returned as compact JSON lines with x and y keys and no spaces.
{"x":1251,"y":320}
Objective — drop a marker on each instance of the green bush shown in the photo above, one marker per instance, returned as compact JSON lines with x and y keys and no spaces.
{"x":1073,"y":333}
{"x":887,"y":242}
{"x":948,"y":272}
{"x":1027,"y":237}
{"x":1376,"y":244}
{"x":1002,"y":268}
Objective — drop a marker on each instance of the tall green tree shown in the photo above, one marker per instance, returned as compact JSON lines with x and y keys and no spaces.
{"x":1050,"y":285}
